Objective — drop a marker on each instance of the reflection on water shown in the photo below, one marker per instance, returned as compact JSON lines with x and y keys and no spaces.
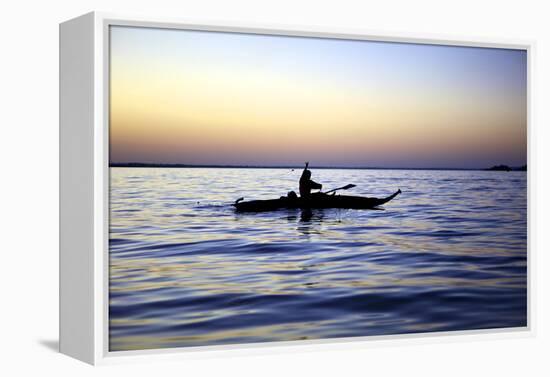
{"x":186,"y":270}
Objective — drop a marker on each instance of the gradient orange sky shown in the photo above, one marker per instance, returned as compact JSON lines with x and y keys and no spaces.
{"x":195,"y":97}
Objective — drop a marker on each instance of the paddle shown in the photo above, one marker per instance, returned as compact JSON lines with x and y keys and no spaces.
{"x":341,"y":188}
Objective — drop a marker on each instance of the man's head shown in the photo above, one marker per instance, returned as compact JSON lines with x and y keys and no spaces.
{"x":307,"y":174}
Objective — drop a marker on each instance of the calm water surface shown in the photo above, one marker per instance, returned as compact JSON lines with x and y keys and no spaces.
{"x":450,"y":253}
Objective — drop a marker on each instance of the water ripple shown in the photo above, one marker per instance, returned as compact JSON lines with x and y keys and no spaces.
{"x":186,"y":270}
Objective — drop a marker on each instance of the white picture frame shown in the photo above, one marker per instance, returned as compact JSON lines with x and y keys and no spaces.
{"x":84,"y":180}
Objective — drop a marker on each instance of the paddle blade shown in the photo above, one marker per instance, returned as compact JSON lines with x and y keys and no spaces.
{"x":341,"y":188}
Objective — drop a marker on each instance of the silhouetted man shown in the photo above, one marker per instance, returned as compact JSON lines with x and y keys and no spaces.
{"x":306,"y":184}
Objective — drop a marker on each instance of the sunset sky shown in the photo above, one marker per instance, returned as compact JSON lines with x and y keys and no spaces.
{"x":196,"y":97}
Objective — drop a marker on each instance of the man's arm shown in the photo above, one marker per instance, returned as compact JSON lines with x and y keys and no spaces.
{"x":315,"y":185}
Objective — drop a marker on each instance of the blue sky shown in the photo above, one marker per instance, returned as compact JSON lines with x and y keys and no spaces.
{"x":210,"y":97}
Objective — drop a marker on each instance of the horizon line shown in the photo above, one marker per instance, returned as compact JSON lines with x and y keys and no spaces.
{"x":229,"y":166}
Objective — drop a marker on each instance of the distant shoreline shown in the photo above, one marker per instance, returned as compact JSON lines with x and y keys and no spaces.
{"x":299,"y":167}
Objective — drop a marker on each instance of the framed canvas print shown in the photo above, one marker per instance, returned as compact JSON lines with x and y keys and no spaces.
{"x":223,"y":185}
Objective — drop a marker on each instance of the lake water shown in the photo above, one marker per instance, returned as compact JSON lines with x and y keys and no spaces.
{"x":449,"y":253}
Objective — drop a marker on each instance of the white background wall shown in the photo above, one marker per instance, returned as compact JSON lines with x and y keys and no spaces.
{"x":29,"y":188}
